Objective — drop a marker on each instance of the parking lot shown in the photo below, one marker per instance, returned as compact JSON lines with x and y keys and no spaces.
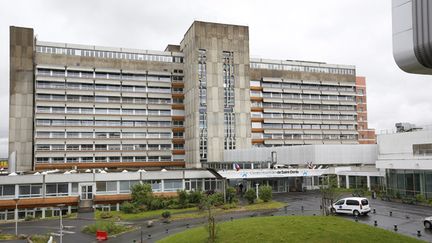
{"x":408,"y":218}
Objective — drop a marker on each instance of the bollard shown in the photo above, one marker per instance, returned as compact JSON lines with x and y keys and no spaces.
{"x":374,"y":210}
{"x":166,"y":231}
{"x":148,"y":236}
{"x":356,"y":218}
{"x":391,"y":213}
{"x":302,"y":208}
{"x":418,"y":233}
{"x":375,"y":223}
{"x":187,"y":225}
{"x":395,"y":227}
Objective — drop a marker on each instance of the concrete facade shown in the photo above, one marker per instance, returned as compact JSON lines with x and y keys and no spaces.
{"x":214,"y":39}
{"x":84,"y":106}
{"x":21,"y":98}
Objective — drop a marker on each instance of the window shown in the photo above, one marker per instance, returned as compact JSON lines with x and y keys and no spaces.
{"x":340,"y":202}
{"x":7,"y":190}
{"x":352,"y":203}
{"x":30,"y":190}
{"x":173,"y":185}
{"x":364,"y":202}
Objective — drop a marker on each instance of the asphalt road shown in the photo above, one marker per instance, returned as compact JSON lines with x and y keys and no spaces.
{"x":408,"y":219}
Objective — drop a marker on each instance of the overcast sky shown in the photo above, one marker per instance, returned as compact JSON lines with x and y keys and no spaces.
{"x":356,"y":32}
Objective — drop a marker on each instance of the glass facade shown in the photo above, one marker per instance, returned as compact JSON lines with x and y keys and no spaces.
{"x":409,"y":182}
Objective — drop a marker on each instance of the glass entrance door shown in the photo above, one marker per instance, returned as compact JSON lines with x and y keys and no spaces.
{"x":87,"y":192}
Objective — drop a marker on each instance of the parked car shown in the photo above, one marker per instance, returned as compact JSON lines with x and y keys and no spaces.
{"x":427,"y":222}
{"x":351,"y":205}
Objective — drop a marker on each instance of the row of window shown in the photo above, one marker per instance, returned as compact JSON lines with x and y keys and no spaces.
{"x":102,"y":135}
{"x":304,"y":106}
{"x":302,"y":96}
{"x":103,"y":159}
{"x":306,"y":126}
{"x":305,"y":136}
{"x":106,"y":147}
{"x":303,"y":116}
{"x":107,"y":123}
{"x":302,"y":68}
{"x":108,"y":54}
{"x":103,"y":87}
{"x":285,"y":85}
{"x":105,"y":99}
{"x":101,"y":111}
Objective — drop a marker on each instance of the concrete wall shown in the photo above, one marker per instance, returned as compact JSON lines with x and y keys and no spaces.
{"x":215,"y":38}
{"x":317,"y":154}
{"x":21,"y":97}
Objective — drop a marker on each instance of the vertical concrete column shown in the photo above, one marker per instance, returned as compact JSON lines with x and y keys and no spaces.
{"x":347,"y":182}
{"x":43,"y":212}
{"x":338,"y":181}
{"x":117,"y":206}
{"x":69,"y":209}
{"x":368,"y":183}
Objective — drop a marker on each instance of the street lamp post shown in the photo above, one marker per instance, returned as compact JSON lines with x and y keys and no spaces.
{"x":61,"y":221}
{"x":16,"y":216}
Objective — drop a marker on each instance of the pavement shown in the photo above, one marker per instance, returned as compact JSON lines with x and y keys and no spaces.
{"x":408,"y":219}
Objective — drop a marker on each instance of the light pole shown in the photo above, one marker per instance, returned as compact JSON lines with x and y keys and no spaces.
{"x":16,"y":216}
{"x":61,"y":221}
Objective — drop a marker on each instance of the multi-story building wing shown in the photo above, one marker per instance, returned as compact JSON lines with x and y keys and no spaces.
{"x":94,"y":107}
{"x":366,"y":135}
{"x":296,"y":102}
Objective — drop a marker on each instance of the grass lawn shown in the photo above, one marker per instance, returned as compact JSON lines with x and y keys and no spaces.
{"x":7,"y":237}
{"x":291,"y":229}
{"x":145,"y":214}
{"x":250,"y":207}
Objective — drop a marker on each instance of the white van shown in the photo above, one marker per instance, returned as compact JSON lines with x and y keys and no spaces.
{"x":351,"y":205}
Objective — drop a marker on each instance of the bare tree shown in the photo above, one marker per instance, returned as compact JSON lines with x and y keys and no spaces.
{"x":329,"y":193}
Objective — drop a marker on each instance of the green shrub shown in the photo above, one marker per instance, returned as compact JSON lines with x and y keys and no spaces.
{"x":420,"y":198}
{"x":28,"y":218}
{"x":250,"y":195}
{"x":108,"y":226}
{"x":39,"y":238}
{"x":229,"y":206}
{"x":231,"y":194}
{"x":128,"y":207}
{"x":142,"y":194}
{"x":195,"y":197}
{"x":216,"y":199}
{"x":182,"y":197}
{"x":156,"y":203}
{"x":265,"y":193}
{"x":166,"y":214}
{"x":106,"y":215}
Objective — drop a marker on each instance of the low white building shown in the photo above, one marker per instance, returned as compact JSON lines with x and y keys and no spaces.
{"x":407,"y":159}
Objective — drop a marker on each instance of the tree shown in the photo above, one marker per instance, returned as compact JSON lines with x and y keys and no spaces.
{"x":265,"y":193}
{"x":329,"y":193}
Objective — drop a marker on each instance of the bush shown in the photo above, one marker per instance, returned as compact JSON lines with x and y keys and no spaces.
{"x":156,"y":203}
{"x":231,"y":195}
{"x":265,"y":193}
{"x":183,"y":197}
{"x":108,"y":226}
{"x":142,"y":194}
{"x":229,"y":206}
{"x":195,"y":197}
{"x":39,"y":238}
{"x":128,"y":207}
{"x":28,"y":218}
{"x":166,"y":214}
{"x":216,"y":199}
{"x":250,"y":195}
{"x":420,"y":198}
{"x":106,"y":215}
